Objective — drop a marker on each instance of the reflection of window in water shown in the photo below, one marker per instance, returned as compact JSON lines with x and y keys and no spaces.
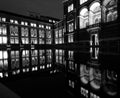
{"x":110,"y":12}
{"x":25,"y":58}
{"x":71,"y":83}
{"x":3,"y":34}
{"x":3,"y":60}
{"x":94,"y":53}
{"x":84,"y":92}
{"x":92,"y":95}
{"x":34,"y":56}
{"x":14,"y":59}
{"x":84,"y":73}
{"x":95,"y":78}
{"x":42,"y":56}
{"x":49,"y":56}
{"x":110,"y":81}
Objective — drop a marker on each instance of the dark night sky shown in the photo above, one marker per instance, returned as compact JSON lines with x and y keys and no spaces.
{"x":52,"y":8}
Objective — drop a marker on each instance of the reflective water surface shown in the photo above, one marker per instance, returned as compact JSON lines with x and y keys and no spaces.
{"x":60,"y":72}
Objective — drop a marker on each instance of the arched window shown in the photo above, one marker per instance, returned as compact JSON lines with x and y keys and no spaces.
{"x":110,"y":10}
{"x":109,"y":17}
{"x":83,"y":18}
{"x":82,"y":1}
{"x":95,"y":13}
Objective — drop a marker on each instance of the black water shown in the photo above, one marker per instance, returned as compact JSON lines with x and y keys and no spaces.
{"x":60,"y":73}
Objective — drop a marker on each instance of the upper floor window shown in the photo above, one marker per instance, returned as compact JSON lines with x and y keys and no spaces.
{"x":2,"y":19}
{"x":95,"y":13}
{"x":71,"y":27}
{"x":83,"y":1}
{"x":14,"y":39}
{"x":110,"y":12}
{"x":70,"y":8}
{"x":24,"y":35}
{"x":3,"y":34}
{"x":33,"y":36}
{"x":83,"y":18}
{"x":70,"y":38}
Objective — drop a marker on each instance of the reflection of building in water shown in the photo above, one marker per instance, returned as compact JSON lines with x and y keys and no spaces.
{"x":95,"y":78}
{"x":3,"y":63}
{"x":72,"y":64}
{"x":15,"y":62}
{"x":84,"y":74}
{"x":25,"y":60}
{"x":110,"y":79}
{"x":49,"y":56}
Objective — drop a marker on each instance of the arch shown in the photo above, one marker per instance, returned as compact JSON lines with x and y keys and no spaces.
{"x":95,"y":12}
{"x":83,"y":17}
{"x":110,"y":10}
{"x":95,"y":6}
{"x":83,"y":1}
{"x":84,"y":11}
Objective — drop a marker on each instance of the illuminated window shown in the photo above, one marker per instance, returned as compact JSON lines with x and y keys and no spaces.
{"x":3,"y":60}
{"x":95,"y":13}
{"x":14,"y":59}
{"x":33,"y":36}
{"x":59,"y":55}
{"x":25,"y":58}
{"x":48,"y":37}
{"x":70,"y":8}
{"x":42,"y":57}
{"x":34,"y":56}
{"x":84,"y":18}
{"x":24,"y":35}
{"x":71,"y":55}
{"x":59,"y":36}
{"x":71,"y":27}
{"x":94,"y":39}
{"x":33,"y":25}
{"x":41,"y":36}
{"x":3,"y":34}
{"x":70,"y":38}
{"x":49,"y":56}
{"x":110,"y":12}
{"x":83,"y":1}
{"x":14,"y":39}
